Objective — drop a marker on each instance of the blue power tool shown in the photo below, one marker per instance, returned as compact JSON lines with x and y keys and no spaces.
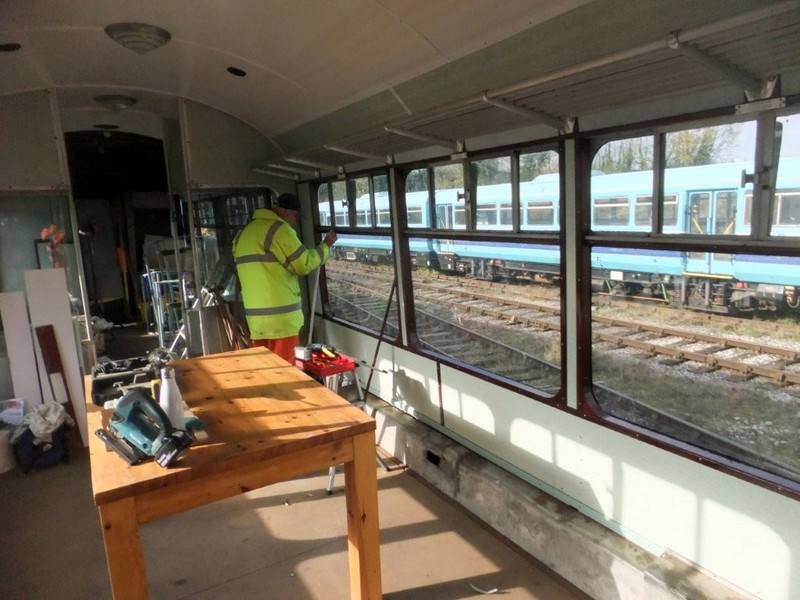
{"x":139,"y":428}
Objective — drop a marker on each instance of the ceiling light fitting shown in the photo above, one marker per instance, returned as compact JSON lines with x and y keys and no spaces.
{"x":115,"y":102}
{"x":139,"y":37}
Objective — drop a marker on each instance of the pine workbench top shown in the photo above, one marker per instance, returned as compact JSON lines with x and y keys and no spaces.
{"x":256,"y":407}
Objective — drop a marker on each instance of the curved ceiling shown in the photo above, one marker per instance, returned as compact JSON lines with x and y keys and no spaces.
{"x":319,"y":74}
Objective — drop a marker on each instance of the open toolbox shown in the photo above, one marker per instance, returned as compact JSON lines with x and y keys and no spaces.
{"x":323,"y":361}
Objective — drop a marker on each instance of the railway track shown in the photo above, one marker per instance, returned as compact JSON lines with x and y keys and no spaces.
{"x":744,"y":358}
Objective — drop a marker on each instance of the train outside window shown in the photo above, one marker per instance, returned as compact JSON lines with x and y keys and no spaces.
{"x":381,"y":199}
{"x":360,"y":192}
{"x":341,"y":215}
{"x":611,"y":212}
{"x":716,"y":383}
{"x":449,"y":196}
{"x":324,"y":200}
{"x":540,"y":212}
{"x":539,"y":191}
{"x":786,"y":208}
{"x":417,"y":198}
{"x":787,"y":213}
{"x":643,"y":211}
{"x":491,"y":185}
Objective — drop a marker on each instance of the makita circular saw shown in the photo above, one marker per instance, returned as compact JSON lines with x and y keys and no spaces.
{"x":139,"y":428}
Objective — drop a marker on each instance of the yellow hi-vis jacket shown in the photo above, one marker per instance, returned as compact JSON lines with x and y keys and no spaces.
{"x":269,"y":257}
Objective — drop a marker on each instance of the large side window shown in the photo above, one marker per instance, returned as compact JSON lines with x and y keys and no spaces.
{"x":683,"y":326}
{"x":786,"y":204}
{"x":484,"y":302}
{"x":491,"y":185}
{"x":360,"y":273}
{"x":539,"y":190}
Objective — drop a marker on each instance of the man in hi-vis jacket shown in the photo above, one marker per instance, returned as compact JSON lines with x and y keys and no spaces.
{"x":269,"y":258}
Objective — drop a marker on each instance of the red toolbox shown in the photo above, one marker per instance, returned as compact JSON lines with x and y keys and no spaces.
{"x":322,"y":365}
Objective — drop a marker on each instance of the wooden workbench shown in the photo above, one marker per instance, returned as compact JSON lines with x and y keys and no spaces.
{"x":267,"y":422}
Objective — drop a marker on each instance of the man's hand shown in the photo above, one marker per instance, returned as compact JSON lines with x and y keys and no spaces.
{"x":330,"y":238}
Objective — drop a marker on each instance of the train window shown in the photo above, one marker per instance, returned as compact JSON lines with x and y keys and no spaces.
{"x":676,"y":363}
{"x":363,"y":202}
{"x":705,"y":165}
{"x":539,"y":212}
{"x":359,"y":278}
{"x":611,"y":212}
{"x":380,"y":193}
{"x":324,"y":200}
{"x":382,"y":213}
{"x":786,"y":207}
{"x":363,"y":212}
{"x":748,"y":207}
{"x":786,"y":216}
{"x":670,"y":210}
{"x":417,"y":198}
{"x":539,"y":191}
{"x":491,"y":184}
{"x":643,"y":212}
{"x":449,"y":197}
{"x":506,"y":218}
{"x":459,"y":217}
{"x":341,"y":213}
{"x":621,"y":171}
{"x":466,"y":316}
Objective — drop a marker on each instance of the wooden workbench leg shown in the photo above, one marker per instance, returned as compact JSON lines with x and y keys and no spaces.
{"x":123,"y":550}
{"x":361,"y":487}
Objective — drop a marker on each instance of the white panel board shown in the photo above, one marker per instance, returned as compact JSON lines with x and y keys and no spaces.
{"x":19,"y":345}
{"x":48,"y":301}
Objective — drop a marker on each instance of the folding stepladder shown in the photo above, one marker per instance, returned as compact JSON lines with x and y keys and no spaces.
{"x":332,"y":382}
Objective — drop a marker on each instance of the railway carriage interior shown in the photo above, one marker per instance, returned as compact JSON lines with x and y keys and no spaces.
{"x":568,"y":256}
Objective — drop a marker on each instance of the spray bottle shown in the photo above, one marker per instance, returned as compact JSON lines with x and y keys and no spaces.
{"x":170,"y":398}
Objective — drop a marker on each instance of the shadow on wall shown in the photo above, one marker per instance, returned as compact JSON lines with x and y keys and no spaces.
{"x":579,"y":549}
{"x":541,"y":443}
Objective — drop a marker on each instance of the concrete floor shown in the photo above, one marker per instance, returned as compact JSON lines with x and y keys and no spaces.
{"x":285,"y":541}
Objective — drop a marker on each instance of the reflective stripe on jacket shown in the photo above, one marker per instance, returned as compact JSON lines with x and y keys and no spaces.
{"x":269,"y":257}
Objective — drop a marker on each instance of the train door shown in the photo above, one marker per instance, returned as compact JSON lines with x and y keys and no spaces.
{"x":711,"y":213}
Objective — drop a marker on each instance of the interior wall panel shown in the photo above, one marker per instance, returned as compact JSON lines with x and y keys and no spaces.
{"x":28,"y":152}
{"x":222,"y":150}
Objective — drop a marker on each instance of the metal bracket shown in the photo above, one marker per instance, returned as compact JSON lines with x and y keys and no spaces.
{"x":449,"y":144}
{"x":760,"y":106}
{"x":754,"y":88}
{"x":562,"y":125}
{"x":352,"y":152}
